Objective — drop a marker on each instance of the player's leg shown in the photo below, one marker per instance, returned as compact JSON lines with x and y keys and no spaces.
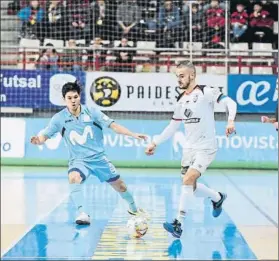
{"x":119,"y":186}
{"x":105,"y":171}
{"x":186,"y":196}
{"x":77,"y":175}
{"x":202,"y":160}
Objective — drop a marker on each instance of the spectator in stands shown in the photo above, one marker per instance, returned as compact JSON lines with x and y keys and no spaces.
{"x":55,"y":20}
{"x":169,"y":24}
{"x":197,"y":23}
{"x":261,"y":24}
{"x":48,"y":59}
{"x":149,"y":19}
{"x":72,"y":58}
{"x":102,"y":19}
{"x":124,"y":57}
{"x":97,"y":55}
{"x":246,"y":3}
{"x":215,"y":21}
{"x":239,"y":22}
{"x":31,"y":17}
{"x":128,"y":18}
{"x":186,"y":6}
{"x":270,"y":7}
{"x":79,"y":16}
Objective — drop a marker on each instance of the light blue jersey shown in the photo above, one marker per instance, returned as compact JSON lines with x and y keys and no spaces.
{"x":83,"y":136}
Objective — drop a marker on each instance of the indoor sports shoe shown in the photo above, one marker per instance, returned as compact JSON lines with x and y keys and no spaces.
{"x":217,"y":206}
{"x":139,"y":212}
{"x":83,"y":219}
{"x":174,"y":228}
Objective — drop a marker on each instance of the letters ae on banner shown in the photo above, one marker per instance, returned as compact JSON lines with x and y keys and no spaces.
{"x":254,"y":93}
{"x":141,"y":91}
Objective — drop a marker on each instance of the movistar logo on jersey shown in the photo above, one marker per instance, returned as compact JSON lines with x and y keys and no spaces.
{"x":76,"y":138}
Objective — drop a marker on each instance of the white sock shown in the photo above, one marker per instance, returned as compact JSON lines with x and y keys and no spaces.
{"x":77,"y":196}
{"x":186,"y":197}
{"x":206,"y":192}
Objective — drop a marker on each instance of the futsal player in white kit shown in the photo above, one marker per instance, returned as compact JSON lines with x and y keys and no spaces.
{"x":195,"y":108}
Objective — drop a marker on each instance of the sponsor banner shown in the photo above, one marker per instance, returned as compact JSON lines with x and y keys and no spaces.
{"x":35,"y":89}
{"x":12,"y":138}
{"x":254,"y":142}
{"x":254,"y":93}
{"x":141,"y":91}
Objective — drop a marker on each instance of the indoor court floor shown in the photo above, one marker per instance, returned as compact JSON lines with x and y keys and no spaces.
{"x":37,"y":217}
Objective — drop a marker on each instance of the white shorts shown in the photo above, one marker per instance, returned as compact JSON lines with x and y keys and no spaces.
{"x":197,"y":159}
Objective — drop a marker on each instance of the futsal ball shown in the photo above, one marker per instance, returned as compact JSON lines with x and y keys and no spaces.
{"x":105,"y":91}
{"x":137,"y":227}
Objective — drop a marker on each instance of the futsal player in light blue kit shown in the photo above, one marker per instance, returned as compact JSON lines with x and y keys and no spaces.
{"x":82,"y":131}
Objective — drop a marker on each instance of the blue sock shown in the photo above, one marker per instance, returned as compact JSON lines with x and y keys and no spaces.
{"x":128,"y":197}
{"x":77,"y":196}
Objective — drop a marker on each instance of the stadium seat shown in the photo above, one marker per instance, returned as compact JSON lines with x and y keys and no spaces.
{"x":196,"y":47}
{"x":216,"y":70}
{"x":146,"y":45}
{"x":145,"y":68}
{"x":79,"y":41}
{"x":235,"y":49}
{"x":117,"y":42}
{"x":235,"y":70}
{"x":275,"y":28}
{"x":110,"y":58}
{"x":262,"y":70}
{"x":29,"y":43}
{"x":31,"y":47}
{"x":259,"y":47}
{"x":165,"y":68}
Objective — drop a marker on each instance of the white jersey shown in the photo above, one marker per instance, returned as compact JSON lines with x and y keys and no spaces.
{"x":196,"y":111}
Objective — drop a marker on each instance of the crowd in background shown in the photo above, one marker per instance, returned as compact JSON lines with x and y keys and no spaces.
{"x":163,"y":21}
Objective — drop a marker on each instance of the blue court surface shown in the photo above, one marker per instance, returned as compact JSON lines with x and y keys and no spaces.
{"x":37,"y":220}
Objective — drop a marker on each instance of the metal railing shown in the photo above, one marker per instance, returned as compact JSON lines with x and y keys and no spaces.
{"x":98,"y":58}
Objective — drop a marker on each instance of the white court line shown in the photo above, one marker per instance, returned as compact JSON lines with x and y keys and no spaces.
{"x":41,"y":217}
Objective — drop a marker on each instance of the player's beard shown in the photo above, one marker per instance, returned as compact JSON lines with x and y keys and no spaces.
{"x":186,"y":86}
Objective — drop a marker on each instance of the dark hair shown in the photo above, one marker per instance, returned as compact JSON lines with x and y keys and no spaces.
{"x":71,"y":87}
{"x":49,"y":45}
{"x":195,"y":6}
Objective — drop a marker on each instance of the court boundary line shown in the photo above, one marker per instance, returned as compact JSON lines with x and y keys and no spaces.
{"x":33,"y":225}
{"x":257,"y":207}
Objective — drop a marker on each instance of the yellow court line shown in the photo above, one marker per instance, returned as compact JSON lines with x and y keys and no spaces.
{"x":115,"y":242}
{"x":263,"y":240}
{"x":10,"y":233}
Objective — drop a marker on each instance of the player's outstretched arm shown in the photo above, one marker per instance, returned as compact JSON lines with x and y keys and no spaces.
{"x":38,"y":140}
{"x":49,"y":132}
{"x":165,"y":135}
{"x":122,"y":130}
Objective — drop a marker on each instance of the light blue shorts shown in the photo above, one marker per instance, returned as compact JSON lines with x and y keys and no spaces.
{"x":102,"y":168}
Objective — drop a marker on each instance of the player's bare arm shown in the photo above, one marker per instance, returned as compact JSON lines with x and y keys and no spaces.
{"x":265,"y":119}
{"x":38,"y":140}
{"x":123,"y":130}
